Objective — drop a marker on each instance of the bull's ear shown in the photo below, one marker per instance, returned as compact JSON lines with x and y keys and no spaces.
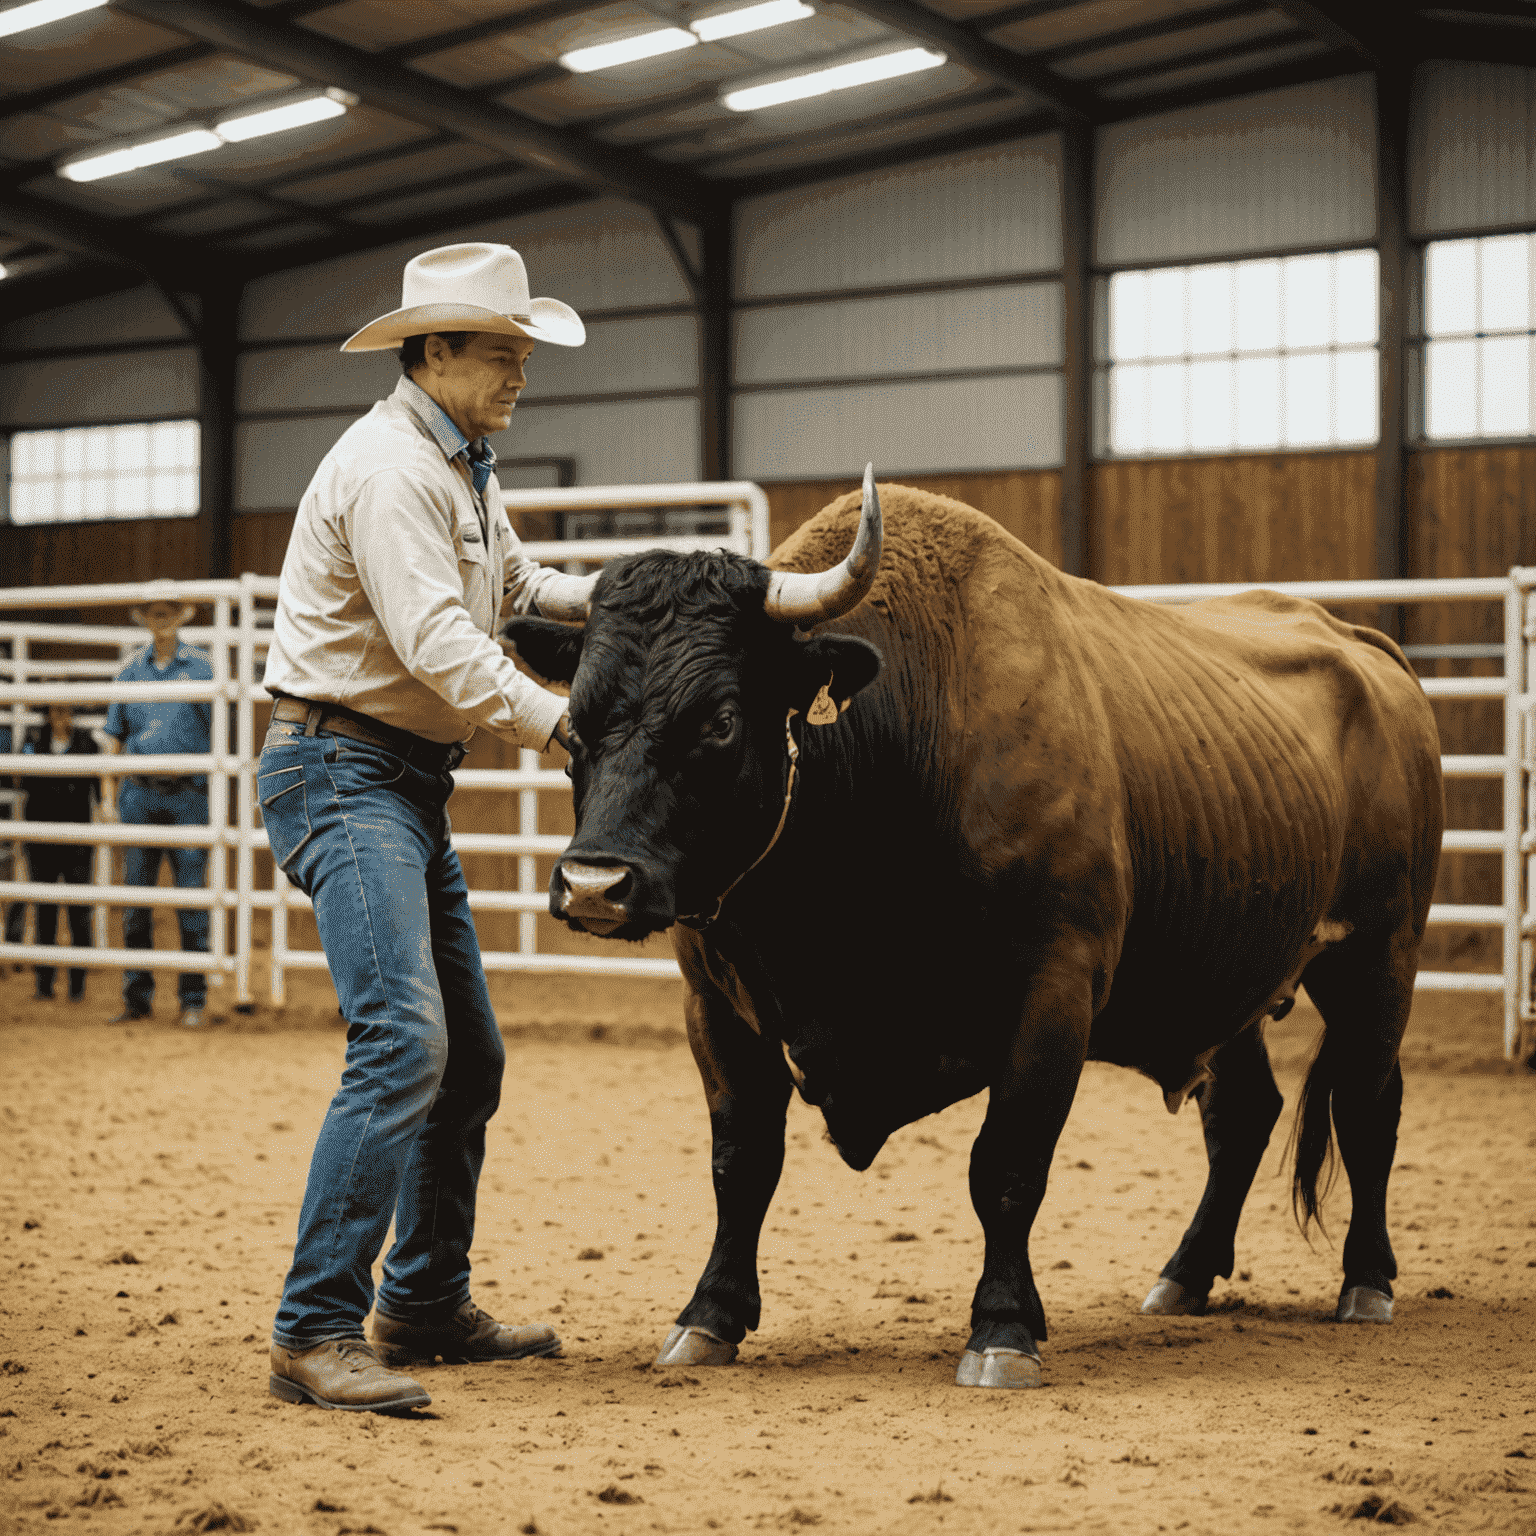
{"x":550,"y":649}
{"x":841,"y":663}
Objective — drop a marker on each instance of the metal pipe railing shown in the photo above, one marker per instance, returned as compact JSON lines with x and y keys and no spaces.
{"x":237,"y":637}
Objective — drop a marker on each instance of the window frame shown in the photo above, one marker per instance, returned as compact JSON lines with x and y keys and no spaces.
{"x":149,"y":420}
{"x":1103,"y":364}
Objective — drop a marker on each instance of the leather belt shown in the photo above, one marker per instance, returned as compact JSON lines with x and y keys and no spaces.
{"x":429,"y":756}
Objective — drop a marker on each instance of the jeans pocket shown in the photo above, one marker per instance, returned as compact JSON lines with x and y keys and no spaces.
{"x":359,"y":767}
{"x":284,"y":812}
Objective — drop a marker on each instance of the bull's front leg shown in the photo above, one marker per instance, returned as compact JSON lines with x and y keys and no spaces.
{"x":1029,"y":1102}
{"x":747,"y":1086}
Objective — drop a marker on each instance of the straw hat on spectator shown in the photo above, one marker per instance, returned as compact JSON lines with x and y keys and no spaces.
{"x":163,"y":592}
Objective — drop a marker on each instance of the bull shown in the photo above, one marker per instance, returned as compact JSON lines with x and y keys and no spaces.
{"x":924,"y":815}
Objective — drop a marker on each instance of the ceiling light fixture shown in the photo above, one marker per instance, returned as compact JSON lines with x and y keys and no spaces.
{"x":582,"y":61}
{"x":752,"y":18}
{"x":40,"y":12}
{"x":295,"y":114}
{"x":885,"y":66}
{"x":198,"y":141}
{"x":177,"y":146}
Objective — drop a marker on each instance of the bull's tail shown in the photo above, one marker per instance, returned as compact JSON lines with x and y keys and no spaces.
{"x":1311,"y":1142}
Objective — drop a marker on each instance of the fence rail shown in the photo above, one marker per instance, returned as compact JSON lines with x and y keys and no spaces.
{"x":239,"y":634}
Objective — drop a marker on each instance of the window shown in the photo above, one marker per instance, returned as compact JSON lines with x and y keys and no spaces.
{"x":83,"y":474}
{"x":1478,"y":325}
{"x":1244,"y":355}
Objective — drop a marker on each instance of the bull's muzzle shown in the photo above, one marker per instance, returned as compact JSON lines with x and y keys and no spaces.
{"x":594,"y":895}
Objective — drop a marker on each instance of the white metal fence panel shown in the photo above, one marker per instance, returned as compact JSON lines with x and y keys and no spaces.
{"x":237,"y":639}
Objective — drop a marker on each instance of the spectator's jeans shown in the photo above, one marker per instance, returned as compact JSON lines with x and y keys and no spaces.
{"x":366,"y":837}
{"x":71,"y":863}
{"x":139,"y":806}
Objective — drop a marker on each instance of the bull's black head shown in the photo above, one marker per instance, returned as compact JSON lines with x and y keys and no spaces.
{"x":681,"y":681}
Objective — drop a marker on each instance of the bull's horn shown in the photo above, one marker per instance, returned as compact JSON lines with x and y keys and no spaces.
{"x":568,"y":598}
{"x":803,"y":598}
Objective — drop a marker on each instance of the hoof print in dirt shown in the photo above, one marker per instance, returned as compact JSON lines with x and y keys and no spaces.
{"x":214,"y":1517}
{"x":613,"y":1494}
{"x":1378,"y":1509}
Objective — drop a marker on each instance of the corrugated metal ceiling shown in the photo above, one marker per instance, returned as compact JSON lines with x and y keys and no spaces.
{"x":473,"y":135}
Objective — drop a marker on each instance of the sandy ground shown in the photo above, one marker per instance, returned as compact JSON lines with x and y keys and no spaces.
{"x":153,"y":1179}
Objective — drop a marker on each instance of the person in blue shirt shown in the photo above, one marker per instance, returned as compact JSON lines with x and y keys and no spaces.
{"x":162,"y":800}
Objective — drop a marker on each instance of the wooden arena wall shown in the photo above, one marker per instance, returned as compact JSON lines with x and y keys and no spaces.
{"x":1263,"y":517}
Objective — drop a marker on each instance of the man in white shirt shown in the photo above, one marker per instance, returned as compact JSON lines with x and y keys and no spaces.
{"x":383,"y":665}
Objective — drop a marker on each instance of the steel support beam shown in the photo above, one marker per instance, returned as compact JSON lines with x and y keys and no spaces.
{"x":715,"y":350}
{"x":68,"y":229}
{"x":1077,"y":344}
{"x":1370,"y":31}
{"x":418,"y":98}
{"x":1070,"y":103}
{"x":1392,"y":101}
{"x":217,"y":355}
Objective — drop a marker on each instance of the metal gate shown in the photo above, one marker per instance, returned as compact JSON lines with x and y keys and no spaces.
{"x":236,"y":640}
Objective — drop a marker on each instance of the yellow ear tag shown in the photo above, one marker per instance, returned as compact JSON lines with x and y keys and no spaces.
{"x":822,"y":711}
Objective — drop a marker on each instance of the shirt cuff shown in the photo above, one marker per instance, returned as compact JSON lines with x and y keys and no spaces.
{"x":543,"y":714}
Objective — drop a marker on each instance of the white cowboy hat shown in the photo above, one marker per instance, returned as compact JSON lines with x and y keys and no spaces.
{"x":164,"y":591}
{"x":474,"y":287}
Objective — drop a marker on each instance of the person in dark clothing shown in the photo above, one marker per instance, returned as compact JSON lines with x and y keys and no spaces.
{"x":61,"y":799}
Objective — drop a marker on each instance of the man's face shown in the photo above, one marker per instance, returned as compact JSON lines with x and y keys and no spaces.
{"x":160,"y":618}
{"x":61,"y":719}
{"x":479,"y":386}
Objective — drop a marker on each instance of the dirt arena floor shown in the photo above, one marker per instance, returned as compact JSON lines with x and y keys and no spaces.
{"x":152,"y":1179}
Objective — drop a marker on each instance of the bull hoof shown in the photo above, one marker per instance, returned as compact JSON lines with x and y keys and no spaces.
{"x":694,"y":1346}
{"x":1362,"y":1304}
{"x":1009,"y":1368}
{"x":1169,"y":1299}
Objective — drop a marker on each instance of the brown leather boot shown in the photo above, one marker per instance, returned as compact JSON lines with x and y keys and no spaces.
{"x":467,"y":1336}
{"x":345,"y":1374}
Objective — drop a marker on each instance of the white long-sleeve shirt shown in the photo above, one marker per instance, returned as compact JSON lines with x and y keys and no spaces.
{"x":393,"y":585}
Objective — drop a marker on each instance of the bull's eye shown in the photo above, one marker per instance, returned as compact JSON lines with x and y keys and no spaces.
{"x":721,"y":727}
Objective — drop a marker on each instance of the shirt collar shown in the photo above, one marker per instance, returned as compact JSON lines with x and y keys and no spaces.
{"x":479,"y":457}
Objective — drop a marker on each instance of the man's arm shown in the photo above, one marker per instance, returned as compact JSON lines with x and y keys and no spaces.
{"x":409,"y":572}
{"x":109,"y":783}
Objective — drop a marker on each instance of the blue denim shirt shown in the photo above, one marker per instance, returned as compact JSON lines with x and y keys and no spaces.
{"x":160,"y":727}
{"x":479,"y":457}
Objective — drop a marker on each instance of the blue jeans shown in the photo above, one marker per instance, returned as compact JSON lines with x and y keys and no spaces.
{"x":366,"y":836}
{"x":139,"y":806}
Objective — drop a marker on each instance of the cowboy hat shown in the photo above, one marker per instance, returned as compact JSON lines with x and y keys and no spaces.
{"x":474,"y":287}
{"x":163,"y":592}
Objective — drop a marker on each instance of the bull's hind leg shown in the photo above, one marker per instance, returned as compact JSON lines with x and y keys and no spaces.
{"x":1364,"y":999}
{"x":1238,"y":1110}
{"x":747,"y":1086}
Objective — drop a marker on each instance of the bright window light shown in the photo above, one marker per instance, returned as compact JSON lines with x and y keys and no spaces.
{"x":82,"y":474}
{"x":751,"y":18}
{"x":1247,"y":355}
{"x":194,"y":141}
{"x":1480,"y":337}
{"x":582,"y":61}
{"x":40,"y":12}
{"x":296,"y":114}
{"x":887,"y":66}
{"x":4,"y":271}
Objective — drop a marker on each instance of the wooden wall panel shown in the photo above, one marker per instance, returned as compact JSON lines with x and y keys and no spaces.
{"x":1027,"y":502}
{"x":1236,"y":517}
{"x":1471,"y":512}
{"x":76,"y":553}
{"x":259,"y":542}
